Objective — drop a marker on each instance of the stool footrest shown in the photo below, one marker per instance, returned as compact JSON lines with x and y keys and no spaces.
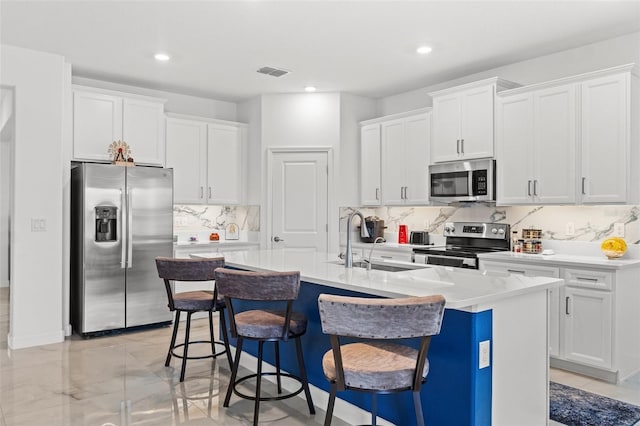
{"x":271,"y":398}
{"x":208,"y":342}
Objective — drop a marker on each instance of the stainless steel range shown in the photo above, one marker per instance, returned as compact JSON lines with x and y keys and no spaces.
{"x":464,"y":240}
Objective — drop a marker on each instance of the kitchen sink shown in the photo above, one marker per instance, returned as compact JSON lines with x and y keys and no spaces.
{"x":384,"y":266}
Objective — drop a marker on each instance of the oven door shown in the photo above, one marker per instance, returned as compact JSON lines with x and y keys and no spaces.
{"x":454,"y":261}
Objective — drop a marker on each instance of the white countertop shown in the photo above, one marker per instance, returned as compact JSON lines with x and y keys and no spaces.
{"x":561,"y":259}
{"x":216,"y":243}
{"x":461,"y":288}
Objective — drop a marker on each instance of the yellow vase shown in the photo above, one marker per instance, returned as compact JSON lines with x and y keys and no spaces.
{"x":614,"y":247}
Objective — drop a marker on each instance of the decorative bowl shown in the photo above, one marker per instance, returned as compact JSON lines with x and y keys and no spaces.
{"x":614,"y":247}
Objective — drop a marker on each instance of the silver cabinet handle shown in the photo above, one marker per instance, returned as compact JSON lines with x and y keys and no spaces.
{"x":584,"y":179}
{"x":529,"y":188}
{"x":535,"y":187}
{"x":462,"y":146}
{"x":382,"y":256}
{"x":277,"y":239}
{"x":377,"y":193}
{"x":402,"y":192}
{"x":209,"y":192}
{"x":589,"y":279}
{"x":201,"y":192}
{"x":405,"y":193}
{"x":566,"y":305}
{"x":515,"y":271}
{"x":458,"y":146}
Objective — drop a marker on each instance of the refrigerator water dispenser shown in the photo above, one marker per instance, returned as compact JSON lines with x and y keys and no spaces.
{"x":106,"y":223}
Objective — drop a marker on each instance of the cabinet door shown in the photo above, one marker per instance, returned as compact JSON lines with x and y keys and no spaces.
{"x":370,"y":165}
{"x":514,"y":146}
{"x":224,"y":164}
{"x":587,"y":326}
{"x":554,"y":145}
{"x":553,"y":294}
{"x":445,"y":143}
{"x":97,"y":122}
{"x":476,"y":123}
{"x":142,"y":129}
{"x":394,"y":162}
{"x":187,"y":155}
{"x":604,"y":139}
{"x":417,"y":130}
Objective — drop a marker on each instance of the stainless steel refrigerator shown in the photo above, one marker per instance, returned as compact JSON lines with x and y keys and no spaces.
{"x":121,"y":220}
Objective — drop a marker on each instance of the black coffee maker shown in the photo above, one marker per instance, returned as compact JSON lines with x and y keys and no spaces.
{"x":375,"y":228}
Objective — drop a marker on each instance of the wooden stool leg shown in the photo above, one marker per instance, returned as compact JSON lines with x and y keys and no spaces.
{"x":234,"y":372}
{"x":332,"y":400}
{"x":303,"y":376}
{"x":256,"y":409}
{"x":417,"y":403}
{"x":173,"y":337}
{"x":186,"y":347}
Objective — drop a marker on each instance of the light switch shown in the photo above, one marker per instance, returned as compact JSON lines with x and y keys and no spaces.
{"x":485,"y":354}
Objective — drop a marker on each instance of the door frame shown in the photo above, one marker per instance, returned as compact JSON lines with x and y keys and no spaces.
{"x":332,"y":209}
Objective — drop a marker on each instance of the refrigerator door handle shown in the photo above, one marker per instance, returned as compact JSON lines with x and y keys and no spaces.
{"x":129,"y":230}
{"x":123,"y":258}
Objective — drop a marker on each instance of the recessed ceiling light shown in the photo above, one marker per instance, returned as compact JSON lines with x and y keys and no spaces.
{"x":162,"y":57}
{"x":309,"y":89}
{"x":423,"y":50}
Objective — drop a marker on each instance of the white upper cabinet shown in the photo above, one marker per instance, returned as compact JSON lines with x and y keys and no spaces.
{"x":463,"y":121}
{"x":101,"y":117}
{"x":394,"y":155}
{"x":569,"y":141}
{"x":225,"y":171}
{"x":535,"y":146}
{"x":187,"y":155}
{"x":208,"y":159}
{"x":370,"y":146}
{"x":605,"y":144}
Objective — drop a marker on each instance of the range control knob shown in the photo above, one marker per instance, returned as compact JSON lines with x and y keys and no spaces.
{"x":500,"y":231}
{"x":494,"y":231}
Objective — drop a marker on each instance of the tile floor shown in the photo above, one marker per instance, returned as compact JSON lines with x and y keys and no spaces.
{"x":121,"y":380}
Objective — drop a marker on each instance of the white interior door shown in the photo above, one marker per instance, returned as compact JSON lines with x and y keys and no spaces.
{"x":299,"y":195}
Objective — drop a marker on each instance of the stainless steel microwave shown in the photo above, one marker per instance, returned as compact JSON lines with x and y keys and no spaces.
{"x":473,"y":180}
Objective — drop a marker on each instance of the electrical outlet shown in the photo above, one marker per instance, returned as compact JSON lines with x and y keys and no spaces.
{"x":38,"y":225}
{"x":485,"y":354}
{"x":618,"y":229}
{"x":570,"y":229}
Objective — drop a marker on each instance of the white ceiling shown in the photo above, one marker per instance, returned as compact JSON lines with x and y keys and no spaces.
{"x":362,"y":47}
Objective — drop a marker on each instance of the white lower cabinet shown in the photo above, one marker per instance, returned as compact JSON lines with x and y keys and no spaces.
{"x":553,"y":294}
{"x":593,"y":318}
{"x":587,"y":326}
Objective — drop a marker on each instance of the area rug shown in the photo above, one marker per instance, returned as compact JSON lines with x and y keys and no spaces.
{"x":575,"y":407}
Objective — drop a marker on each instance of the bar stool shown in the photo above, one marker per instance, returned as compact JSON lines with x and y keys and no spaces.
{"x":375,"y":366}
{"x":264,"y":326}
{"x":170,"y":269}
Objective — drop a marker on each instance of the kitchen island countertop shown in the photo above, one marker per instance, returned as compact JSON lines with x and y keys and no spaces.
{"x":463,"y":289}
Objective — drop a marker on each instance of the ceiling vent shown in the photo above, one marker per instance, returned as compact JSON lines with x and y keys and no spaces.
{"x":274,"y":72}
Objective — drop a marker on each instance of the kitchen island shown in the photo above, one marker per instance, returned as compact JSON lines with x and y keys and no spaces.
{"x":505,"y":383}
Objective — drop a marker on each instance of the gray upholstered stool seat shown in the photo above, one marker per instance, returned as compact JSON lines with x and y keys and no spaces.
{"x":268,"y":289}
{"x":199,"y":300}
{"x":190,"y":302}
{"x":375,"y":365}
{"x":265,"y":324}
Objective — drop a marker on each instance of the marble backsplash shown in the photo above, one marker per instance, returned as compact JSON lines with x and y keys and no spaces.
{"x":196,"y":218}
{"x":589,"y":223}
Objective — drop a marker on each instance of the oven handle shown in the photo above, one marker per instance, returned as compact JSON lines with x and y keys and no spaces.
{"x":471,"y":261}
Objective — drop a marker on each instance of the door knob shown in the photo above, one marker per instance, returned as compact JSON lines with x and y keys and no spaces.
{"x":277,"y":239}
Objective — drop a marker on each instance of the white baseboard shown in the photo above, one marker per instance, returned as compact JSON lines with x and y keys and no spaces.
{"x":343,"y":410}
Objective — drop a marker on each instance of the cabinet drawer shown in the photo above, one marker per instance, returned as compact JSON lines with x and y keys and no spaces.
{"x":397,"y":256}
{"x":587,"y":278}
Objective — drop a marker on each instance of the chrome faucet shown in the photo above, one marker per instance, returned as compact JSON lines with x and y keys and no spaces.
{"x":371,"y":251}
{"x":348,"y":261}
